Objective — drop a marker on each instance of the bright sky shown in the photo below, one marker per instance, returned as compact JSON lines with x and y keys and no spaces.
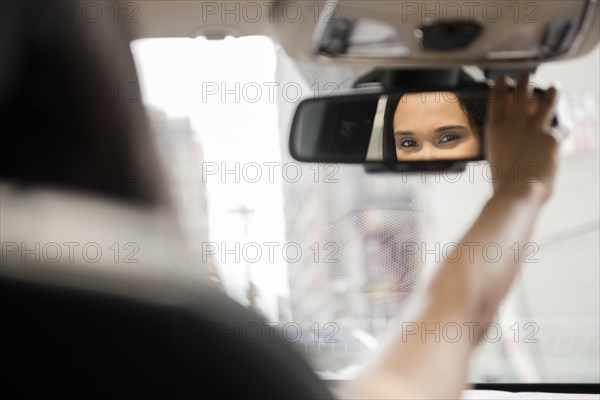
{"x":224,"y":86}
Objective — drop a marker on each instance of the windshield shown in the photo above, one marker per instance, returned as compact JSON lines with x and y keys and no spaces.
{"x":330,"y":253}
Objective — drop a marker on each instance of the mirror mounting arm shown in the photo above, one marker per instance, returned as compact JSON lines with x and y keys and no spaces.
{"x":493,"y":73}
{"x":399,"y":79}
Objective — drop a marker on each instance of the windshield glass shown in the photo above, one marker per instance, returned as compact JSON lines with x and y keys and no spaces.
{"x":330,"y":253}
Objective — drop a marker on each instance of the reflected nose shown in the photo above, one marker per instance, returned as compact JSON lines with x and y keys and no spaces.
{"x":427,"y":151}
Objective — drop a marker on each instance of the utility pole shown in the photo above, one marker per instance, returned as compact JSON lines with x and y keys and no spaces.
{"x":251,"y":290}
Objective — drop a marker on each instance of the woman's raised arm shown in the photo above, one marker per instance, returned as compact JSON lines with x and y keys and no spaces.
{"x":416,"y":364}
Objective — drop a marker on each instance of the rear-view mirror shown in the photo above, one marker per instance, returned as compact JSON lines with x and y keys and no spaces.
{"x":439,"y":125}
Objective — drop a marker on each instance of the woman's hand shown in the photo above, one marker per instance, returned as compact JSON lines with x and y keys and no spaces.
{"x":520,"y":147}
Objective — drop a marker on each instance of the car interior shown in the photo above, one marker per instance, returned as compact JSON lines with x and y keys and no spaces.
{"x":240,"y":199}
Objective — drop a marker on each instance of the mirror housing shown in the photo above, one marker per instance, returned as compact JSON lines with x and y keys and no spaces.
{"x":417,"y":128}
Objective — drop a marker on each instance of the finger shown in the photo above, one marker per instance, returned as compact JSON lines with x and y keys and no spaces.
{"x":533,"y":102}
{"x":497,"y":100}
{"x":546,"y":109}
{"x":521,"y":95}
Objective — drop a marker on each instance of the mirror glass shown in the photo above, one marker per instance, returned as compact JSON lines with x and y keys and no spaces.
{"x":409,"y":126}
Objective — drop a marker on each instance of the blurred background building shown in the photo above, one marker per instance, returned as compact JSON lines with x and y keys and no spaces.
{"x":182,"y":156}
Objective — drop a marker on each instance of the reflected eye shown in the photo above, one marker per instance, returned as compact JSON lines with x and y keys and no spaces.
{"x":409,"y":143}
{"x":450,"y":137}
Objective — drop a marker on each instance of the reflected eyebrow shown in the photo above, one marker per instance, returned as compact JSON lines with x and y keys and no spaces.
{"x":449,"y":127}
{"x":437,"y":130}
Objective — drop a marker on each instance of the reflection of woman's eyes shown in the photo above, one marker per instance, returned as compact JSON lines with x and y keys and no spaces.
{"x":408,"y":143}
{"x":450,"y":137}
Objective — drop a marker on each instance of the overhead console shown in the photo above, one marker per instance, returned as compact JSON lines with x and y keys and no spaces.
{"x":396,"y":33}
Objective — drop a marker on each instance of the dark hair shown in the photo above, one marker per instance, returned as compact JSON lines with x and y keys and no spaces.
{"x":472,"y":101}
{"x":71,"y":111}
